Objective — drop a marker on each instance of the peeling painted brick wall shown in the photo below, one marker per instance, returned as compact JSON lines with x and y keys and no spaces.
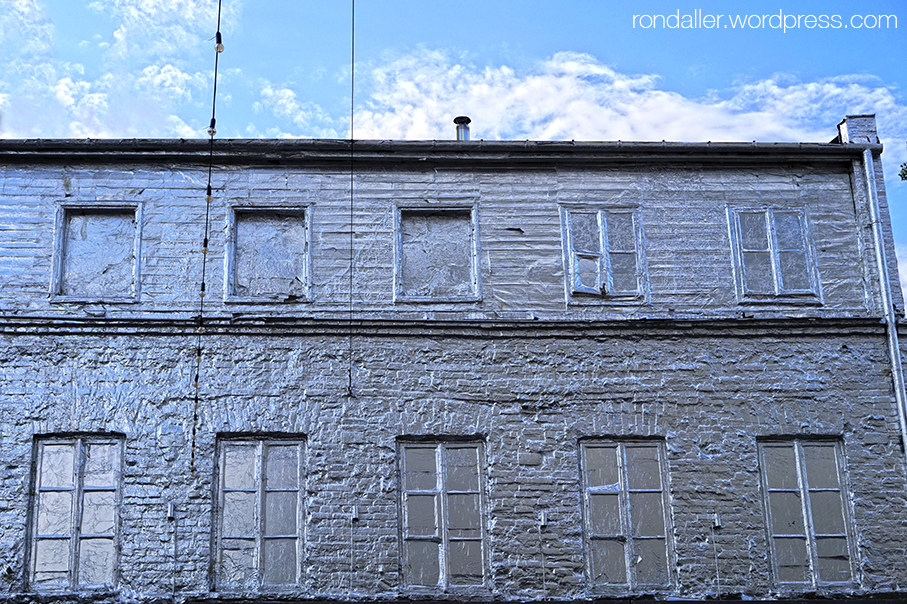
{"x":520,"y":369}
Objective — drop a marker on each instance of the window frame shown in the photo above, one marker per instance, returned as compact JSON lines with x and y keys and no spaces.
{"x":230,"y":263}
{"x":64,"y":210}
{"x":623,"y":491}
{"x":78,"y":443}
{"x":469,"y":209}
{"x":260,"y":443}
{"x":780,"y":294}
{"x":444,"y":573}
{"x":604,"y":293}
{"x":805,"y":492}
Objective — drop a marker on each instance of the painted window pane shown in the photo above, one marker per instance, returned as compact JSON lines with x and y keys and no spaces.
{"x":279,"y":562}
{"x":54,"y":513}
{"x":56,"y":466}
{"x":780,"y":467}
{"x":794,"y":270}
{"x":96,"y":561}
{"x":239,"y":514}
{"x":792,"y":560}
{"x":422,"y":515}
{"x":422,"y":562}
{"x":758,"y":271}
{"x":239,"y":467}
{"x":463,"y":517}
{"x":609,"y":564}
{"x":621,"y":237}
{"x":647,"y":514}
{"x":604,"y":514}
{"x":753,"y":231}
{"x":420,"y":469}
{"x":101,"y":463}
{"x":98,"y":512}
{"x":51,"y":564}
{"x":462,"y":469}
{"x":827,"y":515}
{"x":787,"y":513}
{"x":237,"y":565}
{"x":282,"y":469}
{"x":601,"y":467}
{"x":833,"y":559}
{"x":466,"y":562}
{"x":821,"y":466}
{"x":280,"y":513}
{"x":586,"y":232}
{"x":623,"y":272}
{"x":643,"y":471}
{"x":651,"y":561}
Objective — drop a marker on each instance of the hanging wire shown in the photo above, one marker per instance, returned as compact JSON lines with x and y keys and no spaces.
{"x":200,"y":327}
{"x":349,"y":387}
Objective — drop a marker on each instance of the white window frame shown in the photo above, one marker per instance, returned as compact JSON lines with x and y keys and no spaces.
{"x":63,"y":210}
{"x":230,"y":295}
{"x":442,"y":492}
{"x":810,"y":295}
{"x":604,"y":291}
{"x":469,"y":209}
{"x":805,"y":492}
{"x":625,"y":536}
{"x":260,"y":490}
{"x":78,"y":491}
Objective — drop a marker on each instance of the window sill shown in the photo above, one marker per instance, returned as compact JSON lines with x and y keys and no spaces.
{"x":65,"y":299}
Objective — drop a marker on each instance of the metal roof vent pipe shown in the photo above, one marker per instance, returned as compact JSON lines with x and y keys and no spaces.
{"x":462,"y":123}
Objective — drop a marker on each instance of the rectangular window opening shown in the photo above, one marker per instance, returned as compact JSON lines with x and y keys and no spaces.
{"x":624,"y":507}
{"x":805,"y":512}
{"x":259,"y":514}
{"x":772,"y":255}
{"x":74,"y":527}
{"x":442,"y":520}
{"x":437,"y":255}
{"x":269,"y":256}
{"x":97,"y":254}
{"x":603,"y":253}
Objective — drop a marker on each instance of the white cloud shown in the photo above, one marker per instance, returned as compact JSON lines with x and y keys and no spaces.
{"x":285,"y":105}
{"x":574,"y":96}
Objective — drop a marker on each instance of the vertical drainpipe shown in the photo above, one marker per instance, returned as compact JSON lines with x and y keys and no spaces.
{"x":888,"y":314}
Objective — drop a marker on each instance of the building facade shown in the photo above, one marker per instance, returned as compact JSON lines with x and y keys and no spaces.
{"x":455,"y":370}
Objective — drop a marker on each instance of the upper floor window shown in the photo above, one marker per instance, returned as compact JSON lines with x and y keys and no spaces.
{"x":805,"y":512}
{"x":603,"y":253}
{"x":624,"y":506}
{"x":268,"y":255}
{"x":442,"y":514}
{"x":97,"y":251}
{"x":772,"y":253}
{"x":260,"y":512}
{"x":74,"y":520}
{"x":437,"y":253}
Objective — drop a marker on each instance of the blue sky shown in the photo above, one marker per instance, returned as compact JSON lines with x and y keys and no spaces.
{"x":572,"y":69}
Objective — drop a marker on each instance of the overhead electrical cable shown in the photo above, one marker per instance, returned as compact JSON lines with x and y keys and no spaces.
{"x":200,"y":327}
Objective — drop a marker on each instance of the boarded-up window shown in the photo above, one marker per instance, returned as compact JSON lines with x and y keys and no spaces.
{"x":603,"y":253}
{"x":773,"y":254}
{"x":260,"y":511}
{"x":805,"y":511}
{"x":270,"y":254}
{"x":442,"y":514}
{"x":624,"y":512}
{"x":74,"y":525}
{"x":437,"y":259}
{"x":97,"y":254}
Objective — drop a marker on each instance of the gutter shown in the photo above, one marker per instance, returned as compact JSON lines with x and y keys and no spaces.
{"x":889,"y":317}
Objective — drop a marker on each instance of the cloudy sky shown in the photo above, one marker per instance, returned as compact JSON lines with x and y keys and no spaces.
{"x":767,"y":70}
